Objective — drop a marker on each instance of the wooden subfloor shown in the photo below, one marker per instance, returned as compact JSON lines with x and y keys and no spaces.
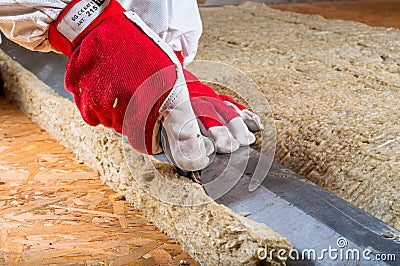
{"x":382,"y":13}
{"x":54,"y":210}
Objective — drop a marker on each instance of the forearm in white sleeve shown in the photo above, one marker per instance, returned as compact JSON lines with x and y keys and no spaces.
{"x":26,"y":22}
{"x":177,"y":22}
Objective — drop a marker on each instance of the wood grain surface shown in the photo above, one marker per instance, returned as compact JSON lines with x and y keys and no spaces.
{"x":382,"y":13}
{"x":54,"y":210}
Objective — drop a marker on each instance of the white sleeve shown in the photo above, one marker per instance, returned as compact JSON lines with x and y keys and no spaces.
{"x":26,"y":22}
{"x":177,"y":22}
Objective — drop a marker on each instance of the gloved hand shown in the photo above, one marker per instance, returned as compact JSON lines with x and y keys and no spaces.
{"x":122,"y":75}
{"x":221,"y":117}
{"x":113,"y":57}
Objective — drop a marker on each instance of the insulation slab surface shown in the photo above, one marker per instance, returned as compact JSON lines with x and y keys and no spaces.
{"x":334,"y":90}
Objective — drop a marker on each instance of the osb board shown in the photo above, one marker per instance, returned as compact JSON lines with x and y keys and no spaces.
{"x":334,"y":90}
{"x":54,"y":210}
{"x":382,"y":13}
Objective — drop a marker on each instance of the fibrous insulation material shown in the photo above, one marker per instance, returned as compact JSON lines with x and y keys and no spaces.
{"x":334,"y":90}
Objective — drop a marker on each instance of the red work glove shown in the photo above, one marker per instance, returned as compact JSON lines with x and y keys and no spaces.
{"x":112,"y":55}
{"x":222,"y":118}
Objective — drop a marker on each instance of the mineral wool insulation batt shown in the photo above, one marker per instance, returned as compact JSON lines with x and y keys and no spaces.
{"x":333,"y":87}
{"x":334,"y":90}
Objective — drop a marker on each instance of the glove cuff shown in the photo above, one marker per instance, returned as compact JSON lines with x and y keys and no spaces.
{"x":77,"y":20}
